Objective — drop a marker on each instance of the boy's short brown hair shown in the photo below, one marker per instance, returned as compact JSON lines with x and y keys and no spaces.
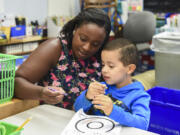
{"x":127,"y":50}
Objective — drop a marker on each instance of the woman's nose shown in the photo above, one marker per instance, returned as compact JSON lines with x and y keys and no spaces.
{"x":87,"y":47}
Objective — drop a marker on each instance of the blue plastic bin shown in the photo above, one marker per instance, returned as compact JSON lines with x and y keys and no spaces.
{"x":18,"y":31}
{"x":165,"y":111}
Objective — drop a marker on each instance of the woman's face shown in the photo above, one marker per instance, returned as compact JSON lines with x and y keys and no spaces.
{"x":87,"y":39}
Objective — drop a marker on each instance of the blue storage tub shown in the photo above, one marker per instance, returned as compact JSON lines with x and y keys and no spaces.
{"x":165,"y":111}
{"x":18,"y":31}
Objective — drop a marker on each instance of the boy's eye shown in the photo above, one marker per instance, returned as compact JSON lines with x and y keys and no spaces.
{"x":111,"y":66}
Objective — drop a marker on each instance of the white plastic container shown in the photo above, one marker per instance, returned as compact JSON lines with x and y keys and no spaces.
{"x":167,"y":59}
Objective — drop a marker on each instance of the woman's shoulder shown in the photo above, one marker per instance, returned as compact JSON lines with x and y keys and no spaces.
{"x":52,"y":43}
{"x":50,"y":49}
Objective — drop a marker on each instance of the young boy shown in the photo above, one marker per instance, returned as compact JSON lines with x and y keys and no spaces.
{"x":124,"y":100}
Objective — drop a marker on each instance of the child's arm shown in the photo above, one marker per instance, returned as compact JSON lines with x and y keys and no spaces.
{"x":82,"y":102}
{"x":139,"y":117}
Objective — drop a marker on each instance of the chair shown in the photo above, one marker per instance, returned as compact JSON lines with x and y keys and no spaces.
{"x":140,"y":27}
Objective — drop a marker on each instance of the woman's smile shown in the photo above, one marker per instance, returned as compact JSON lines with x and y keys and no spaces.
{"x":82,"y":54}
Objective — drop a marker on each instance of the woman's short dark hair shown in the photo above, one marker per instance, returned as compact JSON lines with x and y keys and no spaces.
{"x":89,"y":15}
{"x":128,"y":51}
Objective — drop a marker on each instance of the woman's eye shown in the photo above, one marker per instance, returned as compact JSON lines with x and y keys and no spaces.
{"x":96,"y":44}
{"x":83,"y":39}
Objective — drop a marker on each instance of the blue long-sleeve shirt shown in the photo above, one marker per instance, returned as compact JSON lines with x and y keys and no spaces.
{"x":133,"y":109}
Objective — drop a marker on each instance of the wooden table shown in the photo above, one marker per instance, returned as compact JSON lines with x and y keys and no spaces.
{"x":16,"y":106}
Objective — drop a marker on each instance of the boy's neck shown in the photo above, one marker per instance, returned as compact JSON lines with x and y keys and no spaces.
{"x":124,"y":83}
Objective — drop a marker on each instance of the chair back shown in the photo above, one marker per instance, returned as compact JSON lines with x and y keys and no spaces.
{"x":140,"y":27}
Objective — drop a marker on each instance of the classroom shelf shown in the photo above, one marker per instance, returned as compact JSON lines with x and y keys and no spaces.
{"x":21,"y":41}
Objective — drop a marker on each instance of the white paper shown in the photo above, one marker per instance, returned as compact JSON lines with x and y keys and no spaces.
{"x":83,"y":124}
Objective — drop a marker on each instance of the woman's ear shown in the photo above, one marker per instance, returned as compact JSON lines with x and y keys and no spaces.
{"x":131,"y":68}
{"x":74,"y":31}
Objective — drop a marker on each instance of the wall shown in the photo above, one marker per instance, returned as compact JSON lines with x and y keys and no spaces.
{"x":63,"y":7}
{"x":40,"y":9}
{"x":32,"y":9}
{"x":1,"y":6}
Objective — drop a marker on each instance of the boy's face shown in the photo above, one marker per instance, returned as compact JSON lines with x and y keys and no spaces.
{"x":113,"y":70}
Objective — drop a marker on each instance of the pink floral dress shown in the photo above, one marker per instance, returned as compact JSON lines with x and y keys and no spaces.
{"x":72,"y":75}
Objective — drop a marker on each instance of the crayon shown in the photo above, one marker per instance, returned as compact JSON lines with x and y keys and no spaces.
{"x":100,"y":83}
{"x":20,"y":127}
{"x":65,"y":94}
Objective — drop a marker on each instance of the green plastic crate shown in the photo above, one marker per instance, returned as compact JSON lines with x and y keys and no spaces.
{"x":7,"y":74}
{"x":10,"y":128}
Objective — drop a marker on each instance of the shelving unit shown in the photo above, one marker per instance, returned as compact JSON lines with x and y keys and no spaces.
{"x":20,"y":42}
{"x":162,"y":5}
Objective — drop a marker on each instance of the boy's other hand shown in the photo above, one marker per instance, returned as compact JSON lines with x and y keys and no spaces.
{"x":103,"y":103}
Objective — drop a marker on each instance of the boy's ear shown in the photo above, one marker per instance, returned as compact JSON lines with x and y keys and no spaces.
{"x":131,"y":68}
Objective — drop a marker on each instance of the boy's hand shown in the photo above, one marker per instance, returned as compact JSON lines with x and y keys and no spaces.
{"x":95,"y":88}
{"x":103,"y":103}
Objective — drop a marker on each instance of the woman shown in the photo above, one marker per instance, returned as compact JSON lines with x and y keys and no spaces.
{"x":67,"y":64}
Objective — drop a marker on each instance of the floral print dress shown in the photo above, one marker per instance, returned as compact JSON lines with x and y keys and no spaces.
{"x":72,"y":75}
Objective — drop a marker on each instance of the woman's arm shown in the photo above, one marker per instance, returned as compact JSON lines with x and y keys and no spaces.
{"x":35,"y":67}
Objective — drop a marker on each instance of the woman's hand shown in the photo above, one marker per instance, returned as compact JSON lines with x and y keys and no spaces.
{"x":95,"y":88}
{"x":52,"y":95}
{"x":103,"y":103}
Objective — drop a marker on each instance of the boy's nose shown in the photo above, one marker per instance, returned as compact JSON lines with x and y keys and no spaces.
{"x":104,"y":70}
